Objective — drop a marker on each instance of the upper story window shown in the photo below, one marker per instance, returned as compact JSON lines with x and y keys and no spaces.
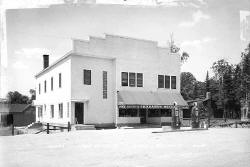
{"x":51,"y":111}
{"x":51,"y":83}
{"x":139,"y":80}
{"x":173,"y":82}
{"x":132,"y":79}
{"x":160,"y":81}
{"x":86,"y":77}
{"x":60,"y":110}
{"x":45,"y":86}
{"x":60,"y":80}
{"x":39,"y":88}
{"x":40,"y":112}
{"x":105,"y":84}
{"x":124,"y":79}
{"x":167,"y":81}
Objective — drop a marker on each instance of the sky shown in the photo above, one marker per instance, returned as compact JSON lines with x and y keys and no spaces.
{"x":207,"y":30}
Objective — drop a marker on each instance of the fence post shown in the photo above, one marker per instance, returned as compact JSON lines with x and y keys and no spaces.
{"x":12,"y":130}
{"x":69,"y":126}
{"x":47,"y":128}
{"x":236,"y":125}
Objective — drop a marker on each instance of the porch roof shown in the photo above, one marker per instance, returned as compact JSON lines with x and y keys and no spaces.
{"x":150,"y":98}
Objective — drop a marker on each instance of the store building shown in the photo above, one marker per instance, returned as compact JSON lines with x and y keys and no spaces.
{"x":110,"y":81}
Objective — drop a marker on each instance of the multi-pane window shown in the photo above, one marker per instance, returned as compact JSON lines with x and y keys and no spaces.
{"x":60,"y":80}
{"x":132,"y":79}
{"x":45,"y":86}
{"x":39,"y":88}
{"x":139,"y":80}
{"x":67,"y":109}
{"x":124,"y":79}
{"x":51,"y":111}
{"x":87,"y":77}
{"x":173,"y":82}
{"x":40,"y":112}
{"x":60,"y":109}
{"x":167,"y":81}
{"x":160,"y":81}
{"x":165,"y":112}
{"x":51,"y":83}
{"x":128,"y":112}
{"x":105,"y":84}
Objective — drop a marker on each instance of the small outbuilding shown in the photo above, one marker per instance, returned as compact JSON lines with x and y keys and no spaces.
{"x":18,"y":114}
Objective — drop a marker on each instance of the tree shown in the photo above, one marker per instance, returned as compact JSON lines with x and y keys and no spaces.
{"x":187,"y":85}
{"x":246,"y":71}
{"x":33,"y":94}
{"x":220,"y":68}
{"x":17,"y":98}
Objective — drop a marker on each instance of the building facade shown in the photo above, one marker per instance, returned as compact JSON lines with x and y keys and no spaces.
{"x":110,"y":81}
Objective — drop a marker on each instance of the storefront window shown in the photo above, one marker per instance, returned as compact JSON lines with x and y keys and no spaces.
{"x":165,"y":112}
{"x":153,"y":113}
{"x":127,"y":112}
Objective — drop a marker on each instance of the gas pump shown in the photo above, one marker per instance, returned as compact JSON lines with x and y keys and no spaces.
{"x":176,"y":122}
{"x":195,"y":116}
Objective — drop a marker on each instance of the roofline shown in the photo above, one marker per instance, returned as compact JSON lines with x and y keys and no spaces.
{"x":70,"y":54}
{"x":55,"y":63}
{"x":131,"y":38}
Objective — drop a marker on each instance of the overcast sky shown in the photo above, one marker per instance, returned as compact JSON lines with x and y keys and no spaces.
{"x":207,"y":30}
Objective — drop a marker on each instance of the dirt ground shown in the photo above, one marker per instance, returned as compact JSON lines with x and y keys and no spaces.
{"x":228,"y":147}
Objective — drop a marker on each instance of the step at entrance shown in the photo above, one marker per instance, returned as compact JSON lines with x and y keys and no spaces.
{"x":83,"y":127}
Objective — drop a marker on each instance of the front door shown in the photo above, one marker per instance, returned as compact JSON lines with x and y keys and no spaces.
{"x":79,"y":110}
{"x":143,"y":115}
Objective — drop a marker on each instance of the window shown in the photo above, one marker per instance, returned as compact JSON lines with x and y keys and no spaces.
{"x":173,"y":82}
{"x":132,"y":79}
{"x":128,"y":112}
{"x":124,"y":79}
{"x":105,"y":85}
{"x":51,"y":83}
{"x":139,"y":80}
{"x":165,"y":112}
{"x":40,"y":112}
{"x":167,"y":81}
{"x":60,"y":107}
{"x":60,"y":80}
{"x":68,"y":109}
{"x":87,"y":77}
{"x":39,"y":88}
{"x":51,"y":111}
{"x":45,"y":85}
{"x":153,"y":113}
{"x":160,"y":81}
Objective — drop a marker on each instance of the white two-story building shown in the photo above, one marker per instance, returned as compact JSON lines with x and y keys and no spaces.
{"x":108,"y":82}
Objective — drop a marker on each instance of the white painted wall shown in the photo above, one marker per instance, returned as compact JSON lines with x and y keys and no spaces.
{"x":128,"y":120}
{"x":113,"y":54}
{"x":58,"y":95}
{"x":96,"y":110}
{"x":133,"y":55}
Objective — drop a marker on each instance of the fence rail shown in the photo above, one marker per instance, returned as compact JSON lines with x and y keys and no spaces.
{"x":54,"y":126}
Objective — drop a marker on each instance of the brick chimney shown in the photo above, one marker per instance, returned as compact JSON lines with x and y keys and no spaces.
{"x":45,"y":61}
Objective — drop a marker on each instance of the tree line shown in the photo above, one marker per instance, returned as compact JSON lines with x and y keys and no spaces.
{"x":229,"y":86}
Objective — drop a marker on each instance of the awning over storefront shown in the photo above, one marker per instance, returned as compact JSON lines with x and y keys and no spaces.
{"x":141,"y":99}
